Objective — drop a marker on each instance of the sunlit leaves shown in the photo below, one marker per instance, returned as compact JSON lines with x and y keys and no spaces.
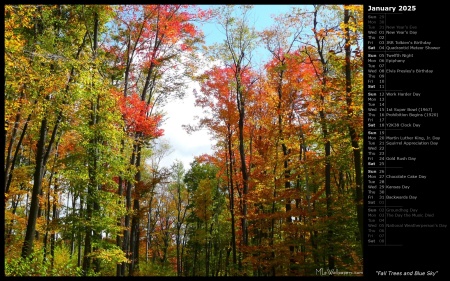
{"x":136,"y":114}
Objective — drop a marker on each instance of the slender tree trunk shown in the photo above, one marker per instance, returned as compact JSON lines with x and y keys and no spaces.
{"x":10,"y":163}
{"x":241,"y":108}
{"x":52,"y":173}
{"x":134,"y":246}
{"x":88,"y":231}
{"x":53,"y":234}
{"x":231,"y":195}
{"x":207,"y":241}
{"x":178,"y":242}
{"x":183,"y":262}
{"x":79,"y":234}
{"x":127,"y":230}
{"x":47,"y":220}
{"x":98,"y":140}
{"x":119,"y":272}
{"x":134,"y":265}
{"x":327,"y":144}
{"x":149,"y":224}
{"x":135,"y":237}
{"x":14,"y":204}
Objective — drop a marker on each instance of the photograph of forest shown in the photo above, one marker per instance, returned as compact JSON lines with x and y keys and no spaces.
{"x":268,"y":174}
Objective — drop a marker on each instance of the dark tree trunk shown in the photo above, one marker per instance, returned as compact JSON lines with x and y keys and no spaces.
{"x":352,"y":131}
{"x":37,"y":182}
{"x":119,"y":271}
{"x":231,"y":195}
{"x":134,"y":246}
{"x":327,"y":143}
{"x":126,"y":232}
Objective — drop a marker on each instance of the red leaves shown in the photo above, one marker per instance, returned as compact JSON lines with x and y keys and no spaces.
{"x":136,"y":114}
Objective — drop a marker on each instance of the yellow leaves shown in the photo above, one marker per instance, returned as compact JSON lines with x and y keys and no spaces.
{"x":21,"y":183}
{"x":114,"y":255}
{"x":351,"y":27}
{"x":20,"y":222}
{"x":18,"y":14}
{"x":16,"y":17}
{"x":356,"y":18}
{"x":354,"y":8}
{"x":40,"y":224}
{"x":203,"y":197}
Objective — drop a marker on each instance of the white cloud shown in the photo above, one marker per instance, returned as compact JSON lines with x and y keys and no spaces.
{"x":184,"y":146}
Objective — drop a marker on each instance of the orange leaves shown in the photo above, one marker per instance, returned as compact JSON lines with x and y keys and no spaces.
{"x":218,"y":94}
{"x":156,"y":25}
{"x":69,"y":144}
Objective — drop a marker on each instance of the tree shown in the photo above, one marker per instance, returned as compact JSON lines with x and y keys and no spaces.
{"x":54,"y":93}
{"x":151,"y":41}
{"x":281,"y":40}
{"x":354,"y":116}
{"x":207,"y":203}
{"x":216,"y":98}
{"x":58,"y":41}
{"x":180,"y":197}
{"x":236,"y":52}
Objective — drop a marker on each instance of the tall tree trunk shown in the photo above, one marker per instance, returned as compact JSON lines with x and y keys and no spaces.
{"x":183,"y":264}
{"x":134,"y":265}
{"x":241,"y":109}
{"x":178,"y":242}
{"x":352,"y":131}
{"x":119,"y":272}
{"x":134,"y":246}
{"x":53,"y":234}
{"x":231,"y":194}
{"x":98,"y":138}
{"x":80,"y":214}
{"x":37,"y":183}
{"x":93,"y":166}
{"x":127,"y":230}
{"x":52,"y":173}
{"x":327,"y":143}
{"x":88,"y":232}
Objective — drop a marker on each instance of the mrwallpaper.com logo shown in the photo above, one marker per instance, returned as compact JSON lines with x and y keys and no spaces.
{"x":336,"y":272}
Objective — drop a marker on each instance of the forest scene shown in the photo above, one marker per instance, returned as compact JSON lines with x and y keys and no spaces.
{"x":280,"y":192}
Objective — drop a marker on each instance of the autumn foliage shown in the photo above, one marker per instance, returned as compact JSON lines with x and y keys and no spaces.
{"x":137,"y":117}
{"x":85,"y":191}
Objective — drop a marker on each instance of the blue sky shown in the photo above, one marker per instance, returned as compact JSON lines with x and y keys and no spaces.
{"x":260,"y":15}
